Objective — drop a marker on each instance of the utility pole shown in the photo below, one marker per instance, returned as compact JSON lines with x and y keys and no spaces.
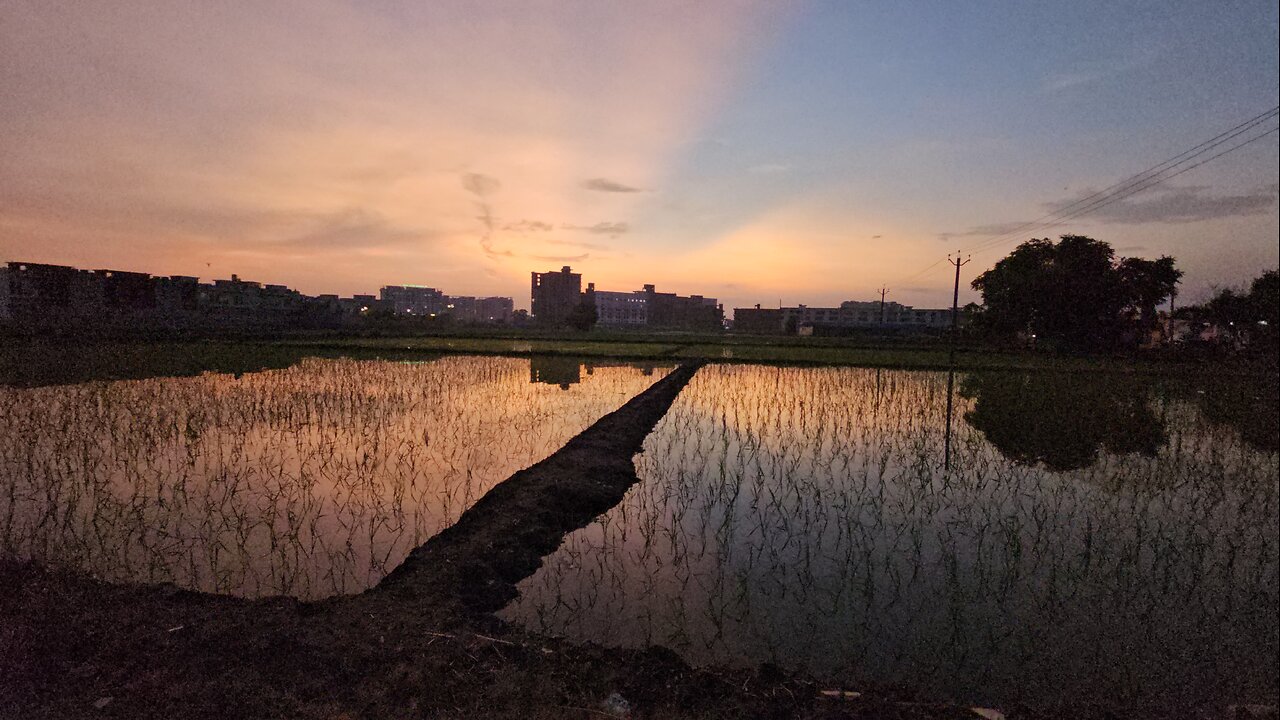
{"x":883,"y":291}
{"x":955,"y":302}
{"x":951,"y":376}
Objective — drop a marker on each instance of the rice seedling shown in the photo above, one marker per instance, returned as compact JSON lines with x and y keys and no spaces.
{"x":810,"y":518}
{"x":308,"y":481}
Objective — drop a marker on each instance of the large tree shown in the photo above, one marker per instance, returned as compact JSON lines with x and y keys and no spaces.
{"x":1074,"y":293}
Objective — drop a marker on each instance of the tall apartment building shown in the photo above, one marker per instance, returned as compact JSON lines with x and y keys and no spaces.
{"x":554,"y":295}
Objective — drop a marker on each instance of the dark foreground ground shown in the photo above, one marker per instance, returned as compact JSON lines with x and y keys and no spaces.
{"x":423,"y":643}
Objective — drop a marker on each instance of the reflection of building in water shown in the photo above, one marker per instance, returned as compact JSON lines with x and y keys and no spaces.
{"x":555,"y":370}
{"x":564,"y":371}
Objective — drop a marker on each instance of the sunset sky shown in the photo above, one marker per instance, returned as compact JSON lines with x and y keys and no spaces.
{"x":802,"y":152}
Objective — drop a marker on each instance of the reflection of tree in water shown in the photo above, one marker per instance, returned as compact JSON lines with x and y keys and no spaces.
{"x":1062,"y":420}
{"x":1248,"y":405}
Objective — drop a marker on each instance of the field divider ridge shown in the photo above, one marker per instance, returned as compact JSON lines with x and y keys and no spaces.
{"x":474,"y":564}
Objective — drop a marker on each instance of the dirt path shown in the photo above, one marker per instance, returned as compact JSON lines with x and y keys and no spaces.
{"x":472,"y":567}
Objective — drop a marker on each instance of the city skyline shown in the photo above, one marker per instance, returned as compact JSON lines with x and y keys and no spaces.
{"x":755,"y":154}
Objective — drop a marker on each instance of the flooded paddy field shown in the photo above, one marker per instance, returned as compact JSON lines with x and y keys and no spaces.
{"x":1043,"y":538}
{"x":311,"y":480}
{"x":1054,"y":544}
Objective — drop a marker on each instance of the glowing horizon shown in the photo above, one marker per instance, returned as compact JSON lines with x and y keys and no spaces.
{"x":735,"y":150}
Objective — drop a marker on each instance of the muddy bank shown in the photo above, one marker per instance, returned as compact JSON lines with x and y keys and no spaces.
{"x":473,"y":566}
{"x":422,"y":644}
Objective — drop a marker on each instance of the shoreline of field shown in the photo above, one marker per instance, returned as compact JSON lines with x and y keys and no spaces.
{"x":35,"y":362}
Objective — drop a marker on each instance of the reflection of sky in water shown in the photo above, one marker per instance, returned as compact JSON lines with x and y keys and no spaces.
{"x":308,"y":481}
{"x":802,"y":516}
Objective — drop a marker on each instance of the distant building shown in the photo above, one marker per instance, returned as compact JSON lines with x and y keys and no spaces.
{"x":757,"y":320}
{"x":357,"y":304}
{"x":232,"y":296}
{"x":414,"y":300}
{"x":41,"y":298}
{"x":851,"y":315}
{"x":39,"y":291}
{"x":671,"y":311}
{"x":5,"y":314}
{"x":495,"y":309}
{"x":619,"y":309}
{"x":177,"y":295}
{"x":554,"y":296}
{"x":127,"y":291}
{"x":645,"y":308}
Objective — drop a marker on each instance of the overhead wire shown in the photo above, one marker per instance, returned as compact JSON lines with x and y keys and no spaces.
{"x":1129,"y":186}
{"x":1129,"y":190}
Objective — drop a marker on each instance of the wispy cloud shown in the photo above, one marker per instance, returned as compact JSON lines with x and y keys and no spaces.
{"x":350,"y":230}
{"x":561,"y":258}
{"x":612,"y":229}
{"x":482,"y":186}
{"x":985,"y":230}
{"x":1185,"y":204}
{"x":1169,"y":205}
{"x":578,"y":244}
{"x":1086,"y":72}
{"x":529,"y":226}
{"x":610,"y":186}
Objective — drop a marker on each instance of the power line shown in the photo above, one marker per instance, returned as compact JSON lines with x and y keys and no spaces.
{"x":1152,"y":182}
{"x":1145,"y":175}
{"x":1131,"y":185}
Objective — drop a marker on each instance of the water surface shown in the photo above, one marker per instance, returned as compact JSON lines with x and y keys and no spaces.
{"x":311,"y":480}
{"x":1068,"y":536}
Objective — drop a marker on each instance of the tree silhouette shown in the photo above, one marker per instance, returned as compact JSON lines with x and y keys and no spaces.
{"x":584,"y":316}
{"x":1073,"y":294}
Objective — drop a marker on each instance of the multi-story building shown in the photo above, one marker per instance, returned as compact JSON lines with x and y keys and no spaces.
{"x":38,"y":297}
{"x":39,"y":291}
{"x":651,"y":309}
{"x":758,"y":320}
{"x":554,"y":296}
{"x":850,"y":315}
{"x":177,"y":295}
{"x":619,"y":309}
{"x":495,"y":309}
{"x":127,"y":291}
{"x":414,"y":300}
{"x":234,"y":295}
{"x":695,"y":312}
{"x":5,"y":314}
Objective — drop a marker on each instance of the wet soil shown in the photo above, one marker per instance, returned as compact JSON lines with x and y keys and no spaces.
{"x":422,"y":644}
